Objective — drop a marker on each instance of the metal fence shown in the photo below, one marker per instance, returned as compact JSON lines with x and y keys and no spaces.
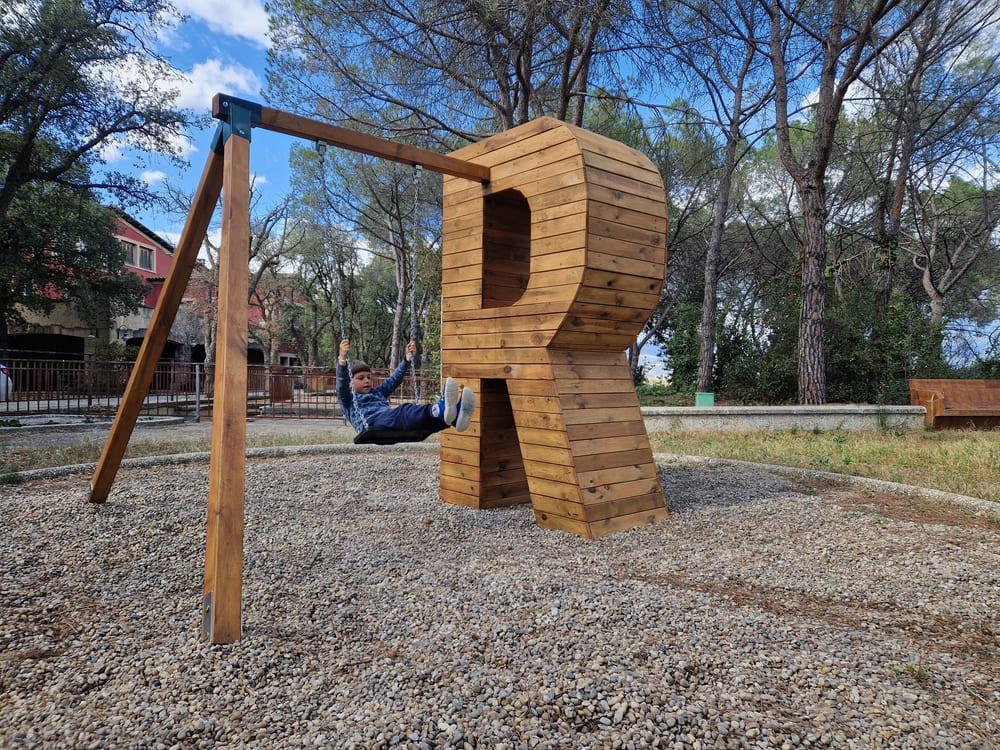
{"x":59,"y":386}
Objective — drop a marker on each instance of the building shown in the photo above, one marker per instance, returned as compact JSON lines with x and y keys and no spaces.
{"x":62,"y":334}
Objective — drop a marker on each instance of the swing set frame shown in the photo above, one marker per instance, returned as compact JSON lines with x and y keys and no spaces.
{"x":227,"y":172}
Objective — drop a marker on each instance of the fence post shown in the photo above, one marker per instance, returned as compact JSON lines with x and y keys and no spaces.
{"x":197,"y":393}
{"x":91,"y":364}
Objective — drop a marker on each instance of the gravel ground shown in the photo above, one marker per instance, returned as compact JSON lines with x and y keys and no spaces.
{"x":764,"y":613}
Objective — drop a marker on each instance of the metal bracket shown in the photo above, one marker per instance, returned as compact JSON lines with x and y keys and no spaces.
{"x":238,"y":116}
{"x":206,"y":616}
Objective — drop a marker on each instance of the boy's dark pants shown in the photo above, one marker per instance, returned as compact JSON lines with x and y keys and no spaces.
{"x":409,"y":417}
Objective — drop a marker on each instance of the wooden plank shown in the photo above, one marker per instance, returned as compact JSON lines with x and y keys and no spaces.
{"x":647,"y":174}
{"x":595,"y":416}
{"x":612,"y":460}
{"x":619,"y":214}
{"x":621,"y":298}
{"x":551,"y":488}
{"x":615,"y":197}
{"x":579,"y":432}
{"x":558,"y":507}
{"x":530,"y":160}
{"x":599,"y":493}
{"x":557,"y":522}
{"x":514,"y":135}
{"x":547,"y":455}
{"x":625,"y":506}
{"x":624,"y":183}
{"x":621,"y":264}
{"x":599,"y":400}
{"x":637,"y":235}
{"x":460,"y":471}
{"x":543,"y":470}
{"x":588,"y":447}
{"x":465,"y":486}
{"x":539,"y":420}
{"x":551,"y":437}
{"x":459,"y":498}
{"x":612,"y":149}
{"x":223,"y":582}
{"x":623,"y":523}
{"x":185,"y":256}
{"x":618,"y":474}
{"x":623,"y":282}
{"x":302,"y":127}
{"x":493,"y":357}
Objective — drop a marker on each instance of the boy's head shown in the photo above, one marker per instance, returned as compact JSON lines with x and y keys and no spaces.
{"x":361,"y":376}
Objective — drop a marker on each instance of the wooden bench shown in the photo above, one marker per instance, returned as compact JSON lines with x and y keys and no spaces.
{"x":958,"y":403}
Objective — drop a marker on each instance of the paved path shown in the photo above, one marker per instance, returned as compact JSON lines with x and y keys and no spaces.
{"x":187,"y":430}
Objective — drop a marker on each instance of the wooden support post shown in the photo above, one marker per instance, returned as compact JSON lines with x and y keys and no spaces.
{"x":205,"y":198}
{"x":222,"y":593}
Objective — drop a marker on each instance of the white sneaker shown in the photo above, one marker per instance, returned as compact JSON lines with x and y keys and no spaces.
{"x":465,"y":410}
{"x":450,"y":401}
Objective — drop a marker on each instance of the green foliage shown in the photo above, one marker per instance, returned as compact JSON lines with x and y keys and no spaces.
{"x":58,"y":244}
{"x":658,"y":394}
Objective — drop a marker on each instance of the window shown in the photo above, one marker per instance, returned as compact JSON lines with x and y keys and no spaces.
{"x":146,"y":258}
{"x":129,"y":248}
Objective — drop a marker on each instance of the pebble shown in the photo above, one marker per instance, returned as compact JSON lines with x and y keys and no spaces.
{"x":759,"y":614}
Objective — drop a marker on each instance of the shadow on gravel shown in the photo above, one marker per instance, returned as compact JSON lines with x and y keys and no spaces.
{"x":692,"y":488}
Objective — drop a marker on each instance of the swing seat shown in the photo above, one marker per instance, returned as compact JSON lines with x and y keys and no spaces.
{"x":388,"y":436}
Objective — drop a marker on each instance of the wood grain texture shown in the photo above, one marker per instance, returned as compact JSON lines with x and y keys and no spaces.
{"x":957,"y":403}
{"x":223,"y":581}
{"x":549,"y":272}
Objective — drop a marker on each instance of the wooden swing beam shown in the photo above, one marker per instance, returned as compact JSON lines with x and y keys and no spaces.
{"x":227,"y":170}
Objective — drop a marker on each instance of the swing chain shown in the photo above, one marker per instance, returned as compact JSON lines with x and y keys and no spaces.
{"x":414,"y":328}
{"x":338,"y":284}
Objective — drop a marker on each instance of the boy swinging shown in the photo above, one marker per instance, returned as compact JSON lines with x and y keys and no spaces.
{"x":367,"y":407}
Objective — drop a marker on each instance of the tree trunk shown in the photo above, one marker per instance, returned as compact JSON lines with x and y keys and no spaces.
{"x":812,"y":357}
{"x":710,"y":301}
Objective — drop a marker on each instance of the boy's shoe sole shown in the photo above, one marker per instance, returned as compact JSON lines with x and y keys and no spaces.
{"x":466,"y":411}
{"x":450,"y":401}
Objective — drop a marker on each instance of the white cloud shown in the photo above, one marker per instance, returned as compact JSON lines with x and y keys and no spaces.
{"x":243,"y":18}
{"x":208,"y":78}
{"x":257,"y":180}
{"x":153,"y":177}
{"x":111,"y":150}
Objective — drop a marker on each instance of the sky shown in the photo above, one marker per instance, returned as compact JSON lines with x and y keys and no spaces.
{"x":222,"y":47}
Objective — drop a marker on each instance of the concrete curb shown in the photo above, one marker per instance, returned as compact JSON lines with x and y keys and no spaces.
{"x":983,"y":506}
{"x":54,"y":472}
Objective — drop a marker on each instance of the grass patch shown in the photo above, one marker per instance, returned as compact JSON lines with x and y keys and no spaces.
{"x":966,"y":462}
{"x":9,"y":475}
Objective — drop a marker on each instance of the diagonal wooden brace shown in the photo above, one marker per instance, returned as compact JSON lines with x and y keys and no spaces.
{"x":205,"y":198}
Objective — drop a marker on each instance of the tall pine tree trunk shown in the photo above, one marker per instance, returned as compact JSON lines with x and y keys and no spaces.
{"x":710,"y":301}
{"x":812,"y":358}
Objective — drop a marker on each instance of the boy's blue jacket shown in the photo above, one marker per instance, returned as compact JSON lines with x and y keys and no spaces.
{"x":367,"y":405}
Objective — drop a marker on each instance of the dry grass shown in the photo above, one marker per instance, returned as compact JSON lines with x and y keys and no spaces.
{"x":963,"y":461}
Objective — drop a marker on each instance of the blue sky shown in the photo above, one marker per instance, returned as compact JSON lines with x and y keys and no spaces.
{"x":221,"y":47}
